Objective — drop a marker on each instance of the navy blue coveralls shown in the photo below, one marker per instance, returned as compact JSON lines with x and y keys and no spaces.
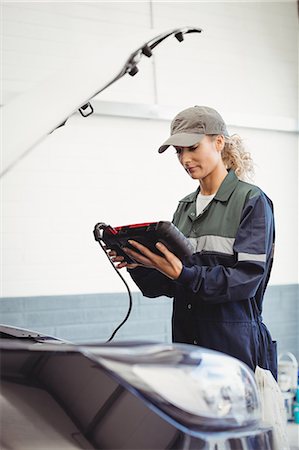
{"x":218,"y":296}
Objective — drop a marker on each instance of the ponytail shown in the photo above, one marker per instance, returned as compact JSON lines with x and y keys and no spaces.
{"x":237,"y":158}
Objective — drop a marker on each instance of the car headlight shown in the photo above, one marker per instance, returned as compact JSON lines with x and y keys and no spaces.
{"x":198,"y":388}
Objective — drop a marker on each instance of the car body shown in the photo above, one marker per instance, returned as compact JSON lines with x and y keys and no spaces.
{"x":127,"y":395}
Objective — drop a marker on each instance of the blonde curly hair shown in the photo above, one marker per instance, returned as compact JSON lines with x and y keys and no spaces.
{"x":236,"y":157}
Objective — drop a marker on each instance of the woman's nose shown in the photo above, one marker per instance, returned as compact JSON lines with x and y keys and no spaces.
{"x":184,"y":157}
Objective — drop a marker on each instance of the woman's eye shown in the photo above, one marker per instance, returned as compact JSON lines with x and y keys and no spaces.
{"x":179,"y":151}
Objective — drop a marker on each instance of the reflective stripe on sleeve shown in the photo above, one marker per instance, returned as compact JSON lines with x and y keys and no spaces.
{"x":252,"y":257}
{"x":223,"y":245}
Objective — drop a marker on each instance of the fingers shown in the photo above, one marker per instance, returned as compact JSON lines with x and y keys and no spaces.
{"x":146,"y":257}
{"x":163,"y":249}
{"x":114,"y":256}
{"x":127,"y":266}
{"x":118,"y":260}
{"x":139,"y":258}
{"x":144,"y":250}
{"x":121,"y":265}
{"x":167,"y":263}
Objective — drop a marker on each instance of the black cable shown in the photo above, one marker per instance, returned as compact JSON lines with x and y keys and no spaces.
{"x":129,"y":292}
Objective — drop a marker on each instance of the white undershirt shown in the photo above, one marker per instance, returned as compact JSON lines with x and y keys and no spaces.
{"x":202,"y":201}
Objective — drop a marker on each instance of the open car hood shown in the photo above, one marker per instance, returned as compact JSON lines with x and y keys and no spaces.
{"x":39,"y":111}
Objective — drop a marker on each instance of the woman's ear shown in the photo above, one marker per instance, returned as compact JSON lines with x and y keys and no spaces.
{"x":219,"y":142}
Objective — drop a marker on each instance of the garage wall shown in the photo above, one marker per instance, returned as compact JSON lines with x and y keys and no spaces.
{"x":237,"y":64}
{"x":106,"y":168}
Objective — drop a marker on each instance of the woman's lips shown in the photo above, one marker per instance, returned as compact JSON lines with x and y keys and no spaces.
{"x":190,"y":169}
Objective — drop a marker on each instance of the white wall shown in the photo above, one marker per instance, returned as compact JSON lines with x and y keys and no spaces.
{"x":107,"y":168}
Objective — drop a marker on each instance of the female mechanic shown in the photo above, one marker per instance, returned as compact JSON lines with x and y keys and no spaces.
{"x":218,"y":291}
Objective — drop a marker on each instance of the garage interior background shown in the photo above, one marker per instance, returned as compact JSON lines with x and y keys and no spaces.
{"x":55,"y":277}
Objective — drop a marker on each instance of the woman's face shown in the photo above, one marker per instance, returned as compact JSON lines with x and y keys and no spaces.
{"x":202,"y":159}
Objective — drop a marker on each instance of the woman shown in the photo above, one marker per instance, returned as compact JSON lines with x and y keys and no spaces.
{"x":218,"y":291}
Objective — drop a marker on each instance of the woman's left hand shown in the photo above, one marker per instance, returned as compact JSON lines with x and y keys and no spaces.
{"x":169,"y":264}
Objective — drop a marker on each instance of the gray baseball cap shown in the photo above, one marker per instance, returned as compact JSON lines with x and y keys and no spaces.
{"x":192,"y":124}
